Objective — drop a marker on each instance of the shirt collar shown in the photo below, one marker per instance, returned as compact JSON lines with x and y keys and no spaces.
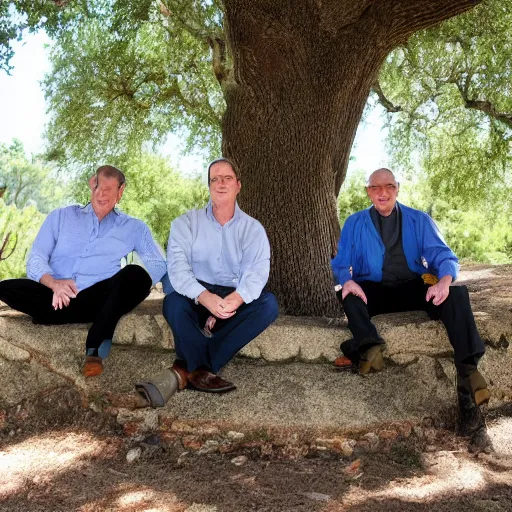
{"x":88,"y":209}
{"x":210,"y":216}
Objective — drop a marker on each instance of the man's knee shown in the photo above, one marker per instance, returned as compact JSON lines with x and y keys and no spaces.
{"x":136,"y":276}
{"x":351,"y":303}
{"x":175,"y":305}
{"x":459,"y":295}
{"x":268,"y":307}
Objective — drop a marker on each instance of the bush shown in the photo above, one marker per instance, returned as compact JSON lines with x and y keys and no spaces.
{"x":23,"y":225}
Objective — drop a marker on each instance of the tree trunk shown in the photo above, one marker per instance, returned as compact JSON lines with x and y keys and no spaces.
{"x":302,"y":74}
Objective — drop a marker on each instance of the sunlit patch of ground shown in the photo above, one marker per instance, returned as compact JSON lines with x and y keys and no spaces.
{"x":43,"y":457}
{"x":128,"y":498}
{"x":500,"y":432}
{"x":446,"y":474}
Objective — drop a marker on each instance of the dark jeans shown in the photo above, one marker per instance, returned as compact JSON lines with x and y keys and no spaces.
{"x":455,"y":313}
{"x":103,"y":303}
{"x":228,"y":336}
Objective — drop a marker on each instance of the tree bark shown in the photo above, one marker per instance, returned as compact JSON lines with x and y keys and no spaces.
{"x":303,"y":70}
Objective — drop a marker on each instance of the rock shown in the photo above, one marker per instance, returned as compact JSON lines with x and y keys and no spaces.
{"x":12,"y":352}
{"x":372,"y":439}
{"x":209,"y":446}
{"x":235,"y":436}
{"x":133,"y":455}
{"x":347,"y":447}
{"x":388,"y":434}
{"x":239,"y":461}
{"x":181,"y":427}
{"x":418,"y":432}
{"x":182,"y":457}
{"x":192,"y":443}
{"x":139,"y":421}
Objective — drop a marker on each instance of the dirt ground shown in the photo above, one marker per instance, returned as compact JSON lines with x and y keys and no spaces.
{"x":56,"y":455}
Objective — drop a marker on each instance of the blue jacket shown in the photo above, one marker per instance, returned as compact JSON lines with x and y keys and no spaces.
{"x":361,"y":250}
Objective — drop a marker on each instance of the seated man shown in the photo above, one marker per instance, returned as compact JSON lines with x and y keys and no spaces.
{"x":75,"y":267}
{"x":218,"y":260}
{"x":382,"y":253}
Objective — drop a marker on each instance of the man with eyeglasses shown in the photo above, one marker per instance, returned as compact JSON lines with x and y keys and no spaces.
{"x":392,"y":258}
{"x":218,"y":261}
{"x":74,"y":267}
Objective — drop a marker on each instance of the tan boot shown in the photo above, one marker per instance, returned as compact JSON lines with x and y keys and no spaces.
{"x":372,"y":360}
{"x":479,"y":388}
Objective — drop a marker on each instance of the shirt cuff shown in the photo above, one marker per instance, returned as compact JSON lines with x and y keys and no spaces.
{"x":245,"y":294}
{"x":195,"y":290}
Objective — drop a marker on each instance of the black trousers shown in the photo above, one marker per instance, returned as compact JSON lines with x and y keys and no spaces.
{"x":103,"y":303}
{"x":455,"y":313}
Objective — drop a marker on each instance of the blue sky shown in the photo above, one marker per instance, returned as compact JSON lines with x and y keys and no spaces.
{"x":23,"y":112}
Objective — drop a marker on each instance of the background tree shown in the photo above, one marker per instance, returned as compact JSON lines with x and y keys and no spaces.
{"x":22,"y":225}
{"x":294,"y":76}
{"x":450,"y":103}
{"x":29,"y":181}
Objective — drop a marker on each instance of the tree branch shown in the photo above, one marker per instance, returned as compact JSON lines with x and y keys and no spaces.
{"x":488,"y":108}
{"x":409,"y":16}
{"x":385,"y":102}
{"x":218,"y":47}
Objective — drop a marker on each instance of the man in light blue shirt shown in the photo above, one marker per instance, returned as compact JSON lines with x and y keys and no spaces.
{"x":218,"y":260}
{"x":74,"y":267}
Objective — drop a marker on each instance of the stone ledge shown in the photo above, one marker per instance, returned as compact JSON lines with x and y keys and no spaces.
{"x":35,"y":357}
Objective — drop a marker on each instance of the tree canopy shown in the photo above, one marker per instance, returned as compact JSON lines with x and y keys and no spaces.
{"x":29,"y":181}
{"x":285,"y":83}
{"x":449,"y":95}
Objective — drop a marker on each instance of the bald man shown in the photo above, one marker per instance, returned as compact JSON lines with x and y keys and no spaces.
{"x":382,"y":255}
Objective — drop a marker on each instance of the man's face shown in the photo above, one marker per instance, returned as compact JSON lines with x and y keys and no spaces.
{"x":382,"y":191}
{"x":105,"y":193}
{"x":224,"y":186}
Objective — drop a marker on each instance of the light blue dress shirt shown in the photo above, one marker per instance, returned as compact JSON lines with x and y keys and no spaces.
{"x":235,"y":255}
{"x":73,"y":244}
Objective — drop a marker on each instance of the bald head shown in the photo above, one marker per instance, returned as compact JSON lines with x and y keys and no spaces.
{"x":383,"y":171}
{"x":382,"y":189}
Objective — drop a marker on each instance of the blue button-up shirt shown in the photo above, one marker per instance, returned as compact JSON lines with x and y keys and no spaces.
{"x":73,"y":244}
{"x":235,"y":255}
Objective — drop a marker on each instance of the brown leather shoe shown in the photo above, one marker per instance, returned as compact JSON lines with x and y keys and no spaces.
{"x":93,"y":366}
{"x":343,"y":362}
{"x":181,"y":374}
{"x":203,"y":380}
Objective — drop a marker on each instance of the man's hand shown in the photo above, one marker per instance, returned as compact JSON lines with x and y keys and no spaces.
{"x":234,"y":301}
{"x":216,"y":305}
{"x":440,"y":291}
{"x":353,"y":288}
{"x":63,"y":290}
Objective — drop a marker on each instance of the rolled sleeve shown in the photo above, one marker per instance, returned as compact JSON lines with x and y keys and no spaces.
{"x":436,"y":252}
{"x":256,"y":265}
{"x":179,"y":257}
{"x":151,"y":255}
{"x":38,"y":263}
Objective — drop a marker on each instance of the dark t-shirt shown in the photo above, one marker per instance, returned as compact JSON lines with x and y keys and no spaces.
{"x":395,"y":266}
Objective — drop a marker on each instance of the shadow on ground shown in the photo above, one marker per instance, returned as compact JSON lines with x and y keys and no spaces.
{"x":56,"y":455}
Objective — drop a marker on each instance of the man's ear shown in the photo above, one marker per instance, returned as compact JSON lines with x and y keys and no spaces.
{"x":120,"y":192}
{"x":93,"y":182}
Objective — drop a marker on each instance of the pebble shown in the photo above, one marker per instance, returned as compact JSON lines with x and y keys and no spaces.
{"x":235,"y":436}
{"x":239,"y":461}
{"x":133,"y":455}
